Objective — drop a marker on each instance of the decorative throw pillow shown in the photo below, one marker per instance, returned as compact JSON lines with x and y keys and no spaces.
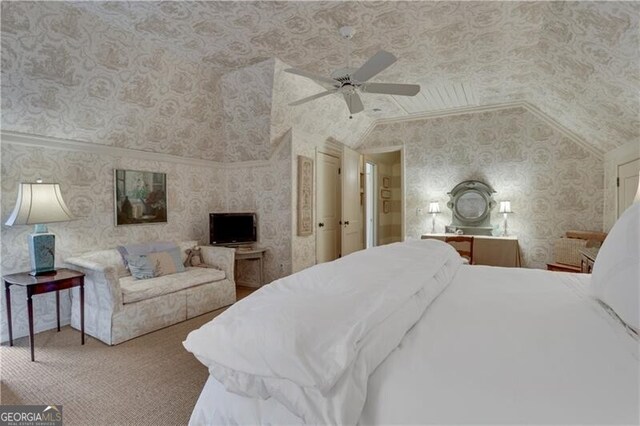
{"x":146,"y":248}
{"x":150,"y":265}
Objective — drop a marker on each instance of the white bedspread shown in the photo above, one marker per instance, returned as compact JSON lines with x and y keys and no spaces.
{"x":500,"y":345}
{"x":311,"y":340}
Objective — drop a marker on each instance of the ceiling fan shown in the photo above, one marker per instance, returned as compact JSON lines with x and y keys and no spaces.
{"x":351,"y":81}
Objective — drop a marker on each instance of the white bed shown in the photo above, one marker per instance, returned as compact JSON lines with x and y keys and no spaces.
{"x":498,"y":345}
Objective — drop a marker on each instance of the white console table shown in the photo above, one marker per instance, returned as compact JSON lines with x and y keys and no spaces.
{"x":254,"y":253}
{"x":489,"y":250}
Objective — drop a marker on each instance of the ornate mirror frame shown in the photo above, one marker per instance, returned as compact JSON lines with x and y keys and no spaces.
{"x":479,"y":224}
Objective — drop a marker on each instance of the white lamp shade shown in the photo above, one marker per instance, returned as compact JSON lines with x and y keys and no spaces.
{"x":505,"y":207}
{"x":434,"y":207}
{"x":39,"y":203}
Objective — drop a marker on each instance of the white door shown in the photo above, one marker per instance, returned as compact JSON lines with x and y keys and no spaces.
{"x":627,"y":184}
{"x":352,"y":224}
{"x":328,"y":210}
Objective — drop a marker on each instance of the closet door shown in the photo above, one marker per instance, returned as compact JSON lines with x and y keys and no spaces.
{"x":627,"y":184}
{"x":352,"y":224}
{"x":328,"y":208}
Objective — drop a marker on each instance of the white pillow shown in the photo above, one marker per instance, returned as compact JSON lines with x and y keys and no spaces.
{"x":616,"y":272}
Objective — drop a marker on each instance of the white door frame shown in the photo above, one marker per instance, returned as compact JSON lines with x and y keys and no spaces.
{"x":395,"y":148}
{"x":370,"y":196}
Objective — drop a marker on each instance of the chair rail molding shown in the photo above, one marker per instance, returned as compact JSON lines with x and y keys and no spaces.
{"x":50,"y":142}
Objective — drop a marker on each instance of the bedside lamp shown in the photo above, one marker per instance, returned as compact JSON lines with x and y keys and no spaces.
{"x":505,"y":207}
{"x":38,"y":204}
{"x":434,"y":209}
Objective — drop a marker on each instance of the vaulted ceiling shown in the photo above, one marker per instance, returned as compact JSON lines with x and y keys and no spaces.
{"x":578,"y":62}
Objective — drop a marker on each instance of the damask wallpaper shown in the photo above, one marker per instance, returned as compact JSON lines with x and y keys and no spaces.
{"x":86,"y":181}
{"x":553,"y":184}
{"x":577,"y":61}
{"x":67,"y":74}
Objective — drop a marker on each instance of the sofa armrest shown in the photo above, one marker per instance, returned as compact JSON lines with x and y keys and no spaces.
{"x":222,"y":258}
{"x":101,"y":283}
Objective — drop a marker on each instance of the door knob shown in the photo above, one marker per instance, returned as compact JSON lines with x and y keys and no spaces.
{"x":346,"y":222}
{"x":321,"y":224}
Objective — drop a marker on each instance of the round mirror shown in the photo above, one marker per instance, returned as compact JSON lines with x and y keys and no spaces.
{"x":471,"y":205}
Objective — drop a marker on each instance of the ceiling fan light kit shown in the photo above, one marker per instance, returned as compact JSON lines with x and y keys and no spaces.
{"x":350,"y":82}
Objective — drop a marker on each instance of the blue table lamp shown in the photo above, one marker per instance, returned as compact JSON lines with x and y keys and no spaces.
{"x":38,"y":204}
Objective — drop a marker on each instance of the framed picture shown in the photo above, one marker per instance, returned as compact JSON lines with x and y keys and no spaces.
{"x":385,"y":193}
{"x":305,"y":196}
{"x":386,"y":181}
{"x":140,"y":197}
{"x":386,"y":206}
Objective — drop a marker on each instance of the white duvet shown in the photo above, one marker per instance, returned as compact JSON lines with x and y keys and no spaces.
{"x":499,"y":346}
{"x":311,"y":340}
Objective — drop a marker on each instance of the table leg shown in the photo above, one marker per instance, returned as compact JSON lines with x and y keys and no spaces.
{"x":82,"y":311}
{"x":7,"y":294}
{"x":58,"y":308}
{"x":30,"y":311}
{"x":262,"y":269}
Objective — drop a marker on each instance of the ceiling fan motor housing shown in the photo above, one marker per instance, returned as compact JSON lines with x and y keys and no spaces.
{"x":347,"y":32}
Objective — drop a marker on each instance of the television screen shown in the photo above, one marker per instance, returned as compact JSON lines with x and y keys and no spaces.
{"x":232,"y":228}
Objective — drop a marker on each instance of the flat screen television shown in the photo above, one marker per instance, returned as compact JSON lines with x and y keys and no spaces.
{"x":233,"y":228}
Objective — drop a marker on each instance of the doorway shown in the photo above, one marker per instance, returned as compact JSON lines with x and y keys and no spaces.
{"x":370,"y":189}
{"x":384,"y":197}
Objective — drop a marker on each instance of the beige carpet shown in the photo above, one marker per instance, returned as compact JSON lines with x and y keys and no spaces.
{"x":150,"y":380}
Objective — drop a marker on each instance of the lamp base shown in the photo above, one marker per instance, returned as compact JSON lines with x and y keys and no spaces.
{"x":42,"y":248}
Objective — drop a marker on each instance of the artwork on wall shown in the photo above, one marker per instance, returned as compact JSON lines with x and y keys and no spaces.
{"x":140,"y":197}
{"x":386,"y":206}
{"x":385,"y":193}
{"x":305,"y":196}
{"x":386,"y":181}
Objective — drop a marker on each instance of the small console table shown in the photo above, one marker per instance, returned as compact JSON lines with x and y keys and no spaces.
{"x":489,"y":250}
{"x":253,"y":253}
{"x":62,"y":279}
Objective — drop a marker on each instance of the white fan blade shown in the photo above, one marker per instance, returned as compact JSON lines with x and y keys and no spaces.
{"x":391,"y":89}
{"x":376,"y":64}
{"x":353,"y":102}
{"x":310,"y":98}
{"x":312,"y":76}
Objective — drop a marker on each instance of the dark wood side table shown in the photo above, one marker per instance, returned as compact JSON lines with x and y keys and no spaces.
{"x":62,"y":279}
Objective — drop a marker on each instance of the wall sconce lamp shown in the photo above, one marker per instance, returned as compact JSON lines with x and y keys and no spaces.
{"x":434,"y":209}
{"x":38,"y":204}
{"x":505,"y":207}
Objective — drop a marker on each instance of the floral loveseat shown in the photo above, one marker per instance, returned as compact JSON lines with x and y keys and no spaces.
{"x":119,"y":307}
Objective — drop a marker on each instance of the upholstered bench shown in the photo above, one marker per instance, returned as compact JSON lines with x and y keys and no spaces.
{"x":119,"y":307}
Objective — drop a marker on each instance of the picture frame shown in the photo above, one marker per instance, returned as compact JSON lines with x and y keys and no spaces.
{"x":140,"y":197}
{"x":386,"y":206}
{"x":386,"y":181}
{"x":385,"y":194}
{"x":305,"y":196}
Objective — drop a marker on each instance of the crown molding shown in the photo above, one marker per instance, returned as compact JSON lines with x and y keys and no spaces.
{"x":487,"y":108}
{"x":49,"y":142}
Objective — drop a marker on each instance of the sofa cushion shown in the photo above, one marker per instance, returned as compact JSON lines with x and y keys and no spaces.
{"x":134,"y":290}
